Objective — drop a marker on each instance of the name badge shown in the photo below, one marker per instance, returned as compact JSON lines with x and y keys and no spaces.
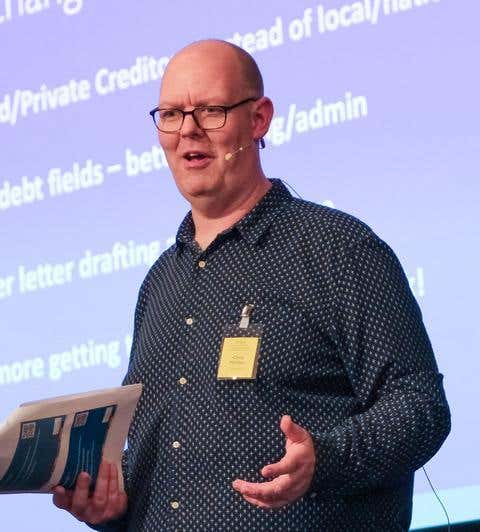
{"x":240,"y":349}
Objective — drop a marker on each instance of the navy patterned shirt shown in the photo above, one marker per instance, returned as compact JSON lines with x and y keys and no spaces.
{"x":344,"y":352}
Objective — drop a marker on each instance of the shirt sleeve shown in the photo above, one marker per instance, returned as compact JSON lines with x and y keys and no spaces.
{"x":403,"y":417}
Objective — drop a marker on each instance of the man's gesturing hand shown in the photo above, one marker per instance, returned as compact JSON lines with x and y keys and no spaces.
{"x":106,"y":503}
{"x":292,"y":475}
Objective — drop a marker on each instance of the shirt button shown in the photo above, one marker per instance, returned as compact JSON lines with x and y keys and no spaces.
{"x":182,"y":381}
{"x":189,"y":321}
{"x":175,"y":505}
{"x":176,"y":444}
{"x":202,"y":264}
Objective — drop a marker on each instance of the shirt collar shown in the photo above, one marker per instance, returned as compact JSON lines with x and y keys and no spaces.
{"x":254,"y":224}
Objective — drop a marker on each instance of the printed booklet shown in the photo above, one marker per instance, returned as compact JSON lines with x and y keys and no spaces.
{"x":49,"y":442}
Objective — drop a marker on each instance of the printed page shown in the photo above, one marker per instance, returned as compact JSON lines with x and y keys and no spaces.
{"x":49,"y":442}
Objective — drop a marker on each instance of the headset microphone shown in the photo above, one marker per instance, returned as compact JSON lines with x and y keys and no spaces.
{"x":230,"y":154}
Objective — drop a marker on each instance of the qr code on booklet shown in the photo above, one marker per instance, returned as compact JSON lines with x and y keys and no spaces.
{"x":80,"y":419}
{"x":28,"y":430}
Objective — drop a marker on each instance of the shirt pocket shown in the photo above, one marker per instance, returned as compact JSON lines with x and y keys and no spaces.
{"x":290,"y":342}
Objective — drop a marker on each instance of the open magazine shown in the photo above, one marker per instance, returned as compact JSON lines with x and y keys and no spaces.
{"x":49,"y":442}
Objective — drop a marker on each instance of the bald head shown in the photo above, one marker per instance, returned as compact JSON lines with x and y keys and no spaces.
{"x":234,"y":60}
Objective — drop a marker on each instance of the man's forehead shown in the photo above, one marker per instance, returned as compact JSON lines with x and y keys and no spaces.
{"x":192,"y":93}
{"x":197,"y":86}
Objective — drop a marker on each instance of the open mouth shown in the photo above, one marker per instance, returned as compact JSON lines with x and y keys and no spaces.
{"x":196,"y":159}
{"x":195,"y":156}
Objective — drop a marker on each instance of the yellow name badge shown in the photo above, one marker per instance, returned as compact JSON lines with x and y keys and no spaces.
{"x":238,"y":357}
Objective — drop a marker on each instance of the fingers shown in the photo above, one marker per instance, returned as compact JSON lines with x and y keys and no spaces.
{"x":275,"y":490}
{"x":266,"y":505}
{"x":293,"y":432}
{"x":101,"y":493}
{"x":270,"y":495}
{"x":62,"y":498}
{"x":80,"y":495}
{"x":285,"y":466}
{"x":113,"y":485}
{"x":114,"y":503}
{"x":110,"y":503}
{"x":299,"y":459}
{"x":106,"y":502}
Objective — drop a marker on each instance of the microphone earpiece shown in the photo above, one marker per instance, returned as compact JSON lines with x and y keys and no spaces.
{"x":230,"y":154}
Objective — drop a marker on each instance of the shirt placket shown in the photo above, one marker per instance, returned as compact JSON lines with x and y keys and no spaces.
{"x":187,"y":386}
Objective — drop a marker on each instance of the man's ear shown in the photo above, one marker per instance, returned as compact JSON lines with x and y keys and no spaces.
{"x":261,"y":117}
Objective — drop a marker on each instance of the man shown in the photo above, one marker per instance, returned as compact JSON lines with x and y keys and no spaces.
{"x":342,"y":399}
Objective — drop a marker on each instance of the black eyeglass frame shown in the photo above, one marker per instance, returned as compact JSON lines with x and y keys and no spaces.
{"x":225,"y":109}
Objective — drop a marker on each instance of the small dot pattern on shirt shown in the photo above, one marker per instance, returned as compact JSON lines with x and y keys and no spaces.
{"x":344,"y":352}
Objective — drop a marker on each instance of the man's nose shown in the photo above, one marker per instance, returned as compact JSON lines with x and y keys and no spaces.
{"x":190,"y":127}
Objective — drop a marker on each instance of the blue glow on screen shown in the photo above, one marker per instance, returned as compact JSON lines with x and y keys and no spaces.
{"x":376,"y":114}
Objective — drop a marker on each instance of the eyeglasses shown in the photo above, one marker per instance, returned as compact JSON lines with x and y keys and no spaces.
{"x":206,"y":116}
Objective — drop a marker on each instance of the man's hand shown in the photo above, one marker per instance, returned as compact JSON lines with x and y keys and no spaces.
{"x":107,"y":501}
{"x":292,"y":475}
